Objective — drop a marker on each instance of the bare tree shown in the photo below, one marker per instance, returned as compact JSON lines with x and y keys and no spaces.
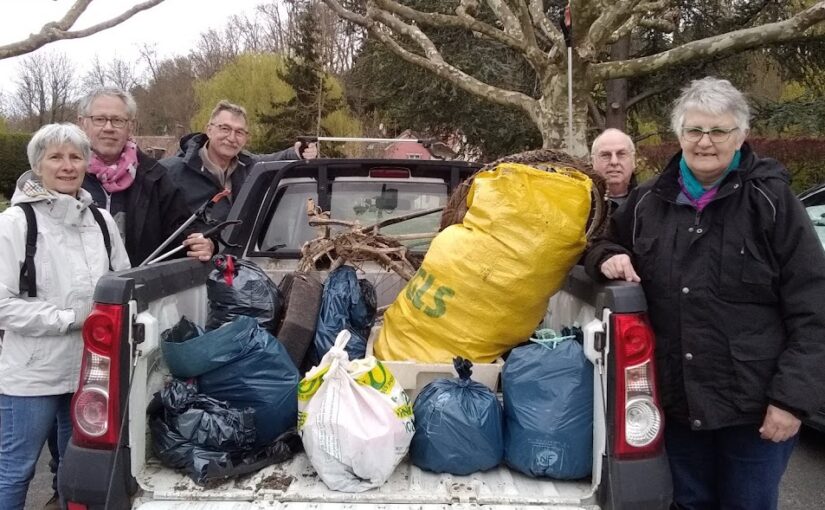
{"x":61,"y":29}
{"x":167,"y":102}
{"x":527,"y":27}
{"x":45,"y":89}
{"x":117,"y":72}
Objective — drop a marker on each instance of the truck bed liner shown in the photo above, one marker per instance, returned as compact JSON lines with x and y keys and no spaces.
{"x":296,"y":480}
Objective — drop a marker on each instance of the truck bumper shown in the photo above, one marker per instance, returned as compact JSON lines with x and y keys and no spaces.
{"x":85,"y":473}
{"x":642,"y":484}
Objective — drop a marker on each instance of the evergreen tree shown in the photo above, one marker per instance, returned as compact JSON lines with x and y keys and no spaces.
{"x":302,"y":114}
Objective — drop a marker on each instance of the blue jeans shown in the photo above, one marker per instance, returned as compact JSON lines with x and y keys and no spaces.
{"x":25,"y":424}
{"x":725,"y":469}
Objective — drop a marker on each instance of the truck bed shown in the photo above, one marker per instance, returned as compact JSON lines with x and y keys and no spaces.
{"x":296,"y":481}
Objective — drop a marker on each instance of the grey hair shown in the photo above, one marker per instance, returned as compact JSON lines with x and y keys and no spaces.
{"x":84,"y":106}
{"x":712,"y":96}
{"x":56,"y":134}
{"x":225,"y":106}
{"x":598,"y":139}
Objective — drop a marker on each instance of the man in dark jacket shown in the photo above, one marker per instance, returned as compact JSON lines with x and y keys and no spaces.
{"x":210,"y":162}
{"x":132,"y":186}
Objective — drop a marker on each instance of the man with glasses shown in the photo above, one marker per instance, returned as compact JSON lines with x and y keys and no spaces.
{"x":132,"y":186}
{"x":210,"y":162}
{"x":614,"y":158}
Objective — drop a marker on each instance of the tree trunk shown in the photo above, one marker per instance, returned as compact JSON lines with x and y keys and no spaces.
{"x":616,"y":107}
{"x":551,"y":116}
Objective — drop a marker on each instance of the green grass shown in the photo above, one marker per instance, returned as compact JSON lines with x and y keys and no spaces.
{"x":4,"y":202}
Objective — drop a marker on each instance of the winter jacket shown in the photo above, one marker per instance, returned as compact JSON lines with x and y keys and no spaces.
{"x":42,"y":346}
{"x":154,"y":206}
{"x":735,"y":294}
{"x":199,"y":185}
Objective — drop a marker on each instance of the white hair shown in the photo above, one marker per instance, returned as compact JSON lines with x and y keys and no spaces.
{"x":56,"y":134}
{"x":84,"y":106}
{"x":610,"y":131}
{"x":712,"y":96}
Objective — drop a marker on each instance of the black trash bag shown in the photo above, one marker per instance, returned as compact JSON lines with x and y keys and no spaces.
{"x":548,"y":409}
{"x":239,"y":287}
{"x":244,"y":365}
{"x":458,"y":425}
{"x":216,"y":446}
{"x":182,"y":331}
{"x":348,"y":303}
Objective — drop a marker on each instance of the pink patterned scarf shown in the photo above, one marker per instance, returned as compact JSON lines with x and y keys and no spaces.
{"x":120,"y":175}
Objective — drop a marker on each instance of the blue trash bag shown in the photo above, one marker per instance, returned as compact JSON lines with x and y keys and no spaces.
{"x":348,"y":303}
{"x":548,"y":409}
{"x":242,"y":364}
{"x":458,"y":425}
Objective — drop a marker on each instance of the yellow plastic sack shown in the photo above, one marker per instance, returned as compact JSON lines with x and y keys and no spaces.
{"x":484,"y":284}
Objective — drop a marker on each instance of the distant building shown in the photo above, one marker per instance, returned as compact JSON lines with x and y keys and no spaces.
{"x":417,"y":150}
{"x":158,"y":147}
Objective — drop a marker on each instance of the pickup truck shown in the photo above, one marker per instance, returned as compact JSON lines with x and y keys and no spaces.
{"x":109,"y":463}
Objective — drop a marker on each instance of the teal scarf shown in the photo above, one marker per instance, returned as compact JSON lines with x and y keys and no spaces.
{"x":693,"y":187}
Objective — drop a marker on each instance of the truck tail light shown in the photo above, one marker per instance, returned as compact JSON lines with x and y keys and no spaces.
{"x":96,"y":403}
{"x":639,"y":418}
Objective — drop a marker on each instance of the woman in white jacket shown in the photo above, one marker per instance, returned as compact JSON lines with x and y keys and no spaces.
{"x":40,"y":359}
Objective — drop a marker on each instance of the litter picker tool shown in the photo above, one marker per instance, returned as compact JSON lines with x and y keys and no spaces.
{"x":199,"y":213}
{"x":216,"y":230}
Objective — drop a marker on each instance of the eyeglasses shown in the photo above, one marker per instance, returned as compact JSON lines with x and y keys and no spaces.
{"x":607,"y":156}
{"x":225,"y":130}
{"x":716,"y":135}
{"x":101,"y":120}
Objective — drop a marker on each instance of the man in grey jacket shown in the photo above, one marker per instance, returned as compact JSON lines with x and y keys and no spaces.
{"x":210,"y":162}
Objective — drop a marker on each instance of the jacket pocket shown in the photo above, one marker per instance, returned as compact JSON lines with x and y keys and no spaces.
{"x":754,"y":360}
{"x":746,"y":276}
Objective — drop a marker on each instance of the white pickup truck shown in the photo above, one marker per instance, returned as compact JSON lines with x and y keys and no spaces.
{"x":109,"y":463}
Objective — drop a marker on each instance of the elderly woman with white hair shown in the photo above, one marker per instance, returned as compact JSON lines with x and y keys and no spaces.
{"x":42,"y":347}
{"x":734,"y":277}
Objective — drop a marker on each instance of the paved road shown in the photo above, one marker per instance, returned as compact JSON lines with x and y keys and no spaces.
{"x":803,"y":487}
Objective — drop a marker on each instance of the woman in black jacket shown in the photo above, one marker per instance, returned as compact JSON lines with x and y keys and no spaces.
{"x":734,"y":276}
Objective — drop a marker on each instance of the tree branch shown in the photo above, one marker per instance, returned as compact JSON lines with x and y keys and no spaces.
{"x":432,"y":59}
{"x":547,"y":28}
{"x":791,"y":29}
{"x":644,"y":95}
{"x":463,"y":20}
{"x":59,"y":30}
{"x":607,"y":23}
{"x":508,"y":19}
{"x":658,"y":24}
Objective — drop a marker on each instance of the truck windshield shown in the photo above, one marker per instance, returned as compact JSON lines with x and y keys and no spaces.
{"x":366,"y":201}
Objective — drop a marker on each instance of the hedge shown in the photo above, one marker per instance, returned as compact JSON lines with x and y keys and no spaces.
{"x":803,"y":157}
{"x":13,"y":160}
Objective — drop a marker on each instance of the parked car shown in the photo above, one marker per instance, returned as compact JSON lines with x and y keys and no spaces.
{"x":814,"y":202}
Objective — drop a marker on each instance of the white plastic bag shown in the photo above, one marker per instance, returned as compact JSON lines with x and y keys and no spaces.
{"x":355,"y":420}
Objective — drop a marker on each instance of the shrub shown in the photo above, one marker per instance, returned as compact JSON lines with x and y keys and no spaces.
{"x":13,"y":160}
{"x":803,"y":157}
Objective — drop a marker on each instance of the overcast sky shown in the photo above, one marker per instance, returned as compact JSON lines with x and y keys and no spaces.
{"x":174,"y":26}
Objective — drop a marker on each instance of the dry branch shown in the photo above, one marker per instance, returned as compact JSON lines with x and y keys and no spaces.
{"x":59,"y":30}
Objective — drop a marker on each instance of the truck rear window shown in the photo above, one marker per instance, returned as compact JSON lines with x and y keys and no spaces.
{"x":366,"y":201}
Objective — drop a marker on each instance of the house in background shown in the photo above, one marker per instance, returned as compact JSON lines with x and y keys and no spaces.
{"x":417,"y":150}
{"x":158,"y":147}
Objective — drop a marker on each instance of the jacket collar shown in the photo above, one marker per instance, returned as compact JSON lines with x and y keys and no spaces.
{"x":667,"y":185}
